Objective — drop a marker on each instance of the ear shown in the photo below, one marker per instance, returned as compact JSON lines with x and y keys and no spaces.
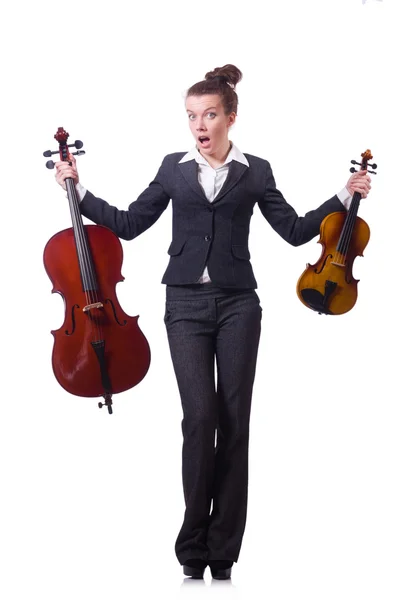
{"x":231,"y":119}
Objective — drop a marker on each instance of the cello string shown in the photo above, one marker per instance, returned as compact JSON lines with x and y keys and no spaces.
{"x":93,"y":287}
{"x":88,"y":280}
{"x":91,"y":281}
{"x":77,"y":235}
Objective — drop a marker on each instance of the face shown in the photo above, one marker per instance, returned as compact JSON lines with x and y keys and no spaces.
{"x":209,"y":124}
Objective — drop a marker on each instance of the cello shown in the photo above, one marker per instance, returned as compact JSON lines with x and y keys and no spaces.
{"x":99,"y":350}
{"x":328,"y":286}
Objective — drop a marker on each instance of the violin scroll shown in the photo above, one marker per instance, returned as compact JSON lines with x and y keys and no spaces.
{"x":364,"y":164}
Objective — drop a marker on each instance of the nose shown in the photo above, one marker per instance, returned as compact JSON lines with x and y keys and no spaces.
{"x":200,"y":124}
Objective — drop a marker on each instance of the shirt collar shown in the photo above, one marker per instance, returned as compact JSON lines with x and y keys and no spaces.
{"x":234,"y":154}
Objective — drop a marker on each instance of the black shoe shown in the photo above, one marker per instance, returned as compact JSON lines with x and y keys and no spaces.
{"x":194,"y":567}
{"x":221,"y":569}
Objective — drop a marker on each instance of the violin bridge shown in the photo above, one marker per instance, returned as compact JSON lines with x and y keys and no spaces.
{"x":337,"y":264}
{"x":90,"y":306}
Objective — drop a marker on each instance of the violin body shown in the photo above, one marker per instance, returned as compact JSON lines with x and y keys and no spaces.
{"x":99,"y":350}
{"x":315,"y":286}
{"x":126,"y":350}
{"x":328,"y":286}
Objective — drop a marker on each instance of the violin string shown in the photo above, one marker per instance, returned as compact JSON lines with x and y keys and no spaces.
{"x":353,"y":213}
{"x":338,"y":251}
{"x":342,"y":244}
{"x":347,"y":230}
{"x":338,"y":255}
{"x":353,"y":210}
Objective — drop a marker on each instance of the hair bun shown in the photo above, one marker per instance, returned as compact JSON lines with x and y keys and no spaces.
{"x":222,"y":78}
{"x":227,"y":74}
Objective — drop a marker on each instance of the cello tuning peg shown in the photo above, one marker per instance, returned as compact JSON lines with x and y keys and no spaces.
{"x":373,"y":166}
{"x":50,"y":164}
{"x":77,"y":144}
{"x":78,"y":153}
{"x":373,"y":172}
{"x":352,"y":170}
{"x":50,"y":152}
{"x":354,"y":162}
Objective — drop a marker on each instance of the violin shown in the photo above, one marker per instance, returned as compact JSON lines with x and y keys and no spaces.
{"x":328,"y":287}
{"x":99,"y":350}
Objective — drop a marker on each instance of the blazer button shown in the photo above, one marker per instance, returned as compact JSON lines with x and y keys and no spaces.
{"x":207,"y":238}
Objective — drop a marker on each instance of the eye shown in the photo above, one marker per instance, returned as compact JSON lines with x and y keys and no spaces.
{"x":191,"y":117}
{"x":211,"y":115}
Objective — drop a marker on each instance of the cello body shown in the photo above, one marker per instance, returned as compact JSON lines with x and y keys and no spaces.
{"x":126,"y":350}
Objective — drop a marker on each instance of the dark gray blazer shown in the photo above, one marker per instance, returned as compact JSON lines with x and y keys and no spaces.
{"x":214,"y":233}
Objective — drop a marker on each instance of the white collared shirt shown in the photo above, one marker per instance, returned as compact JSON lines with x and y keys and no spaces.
{"x":212,"y":179}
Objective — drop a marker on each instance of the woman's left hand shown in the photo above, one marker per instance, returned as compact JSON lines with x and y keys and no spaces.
{"x":359,"y":182}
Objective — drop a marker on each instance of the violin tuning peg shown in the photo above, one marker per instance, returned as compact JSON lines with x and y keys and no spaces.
{"x":352,"y":170}
{"x":373,"y":166}
{"x":78,"y":153}
{"x":50,"y":164}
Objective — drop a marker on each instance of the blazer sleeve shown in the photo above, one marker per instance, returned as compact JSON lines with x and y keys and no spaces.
{"x":141,"y":214}
{"x":283,"y":218}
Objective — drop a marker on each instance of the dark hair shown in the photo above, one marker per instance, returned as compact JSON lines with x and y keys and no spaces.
{"x":222,"y":81}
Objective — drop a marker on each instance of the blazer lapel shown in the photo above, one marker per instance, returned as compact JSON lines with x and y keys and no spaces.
{"x":236,"y":171}
{"x":190,"y":172}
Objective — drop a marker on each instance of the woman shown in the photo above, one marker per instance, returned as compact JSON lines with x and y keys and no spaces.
{"x":212,"y":309}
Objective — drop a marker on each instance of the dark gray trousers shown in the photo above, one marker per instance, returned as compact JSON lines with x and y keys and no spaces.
{"x":207,"y":324}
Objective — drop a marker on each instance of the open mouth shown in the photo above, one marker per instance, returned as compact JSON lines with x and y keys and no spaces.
{"x":204,"y":140}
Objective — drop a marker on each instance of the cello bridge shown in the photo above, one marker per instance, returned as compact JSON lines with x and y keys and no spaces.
{"x":337,"y":264}
{"x":94,"y":305}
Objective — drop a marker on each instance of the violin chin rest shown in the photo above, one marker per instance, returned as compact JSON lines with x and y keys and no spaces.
{"x":315,"y":300}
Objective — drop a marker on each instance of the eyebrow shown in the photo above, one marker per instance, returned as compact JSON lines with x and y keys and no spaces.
{"x":209,"y":108}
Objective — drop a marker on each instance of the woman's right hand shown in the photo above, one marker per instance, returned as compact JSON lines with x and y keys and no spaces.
{"x":64,"y":170}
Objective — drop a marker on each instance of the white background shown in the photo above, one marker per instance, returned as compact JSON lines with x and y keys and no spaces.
{"x":90,"y":504}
